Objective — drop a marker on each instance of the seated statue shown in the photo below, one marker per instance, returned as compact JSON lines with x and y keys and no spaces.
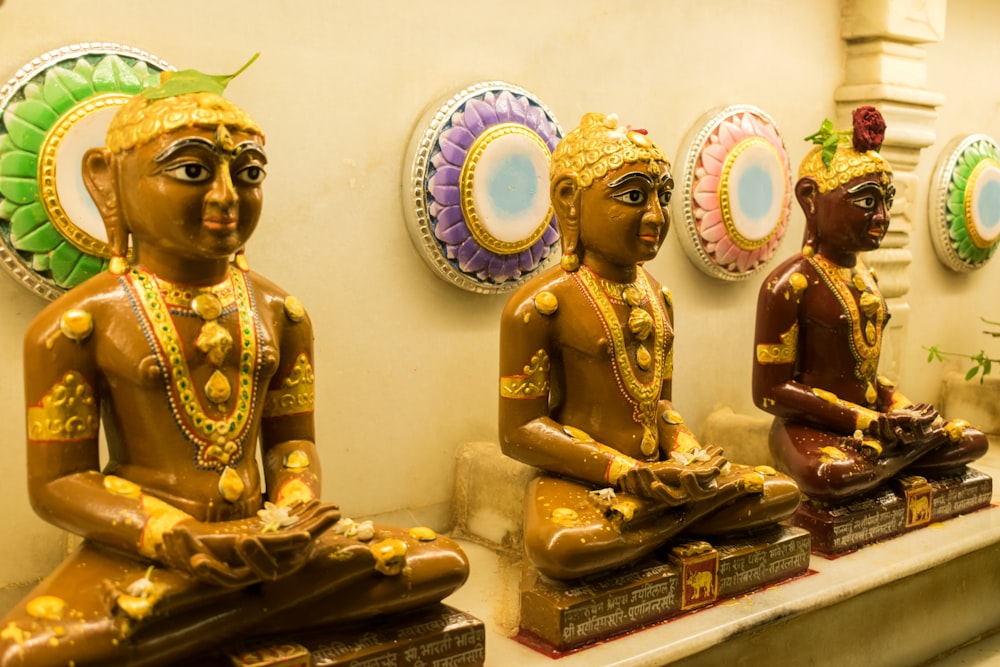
{"x":190,"y":360}
{"x":585,"y":378}
{"x":841,"y":429}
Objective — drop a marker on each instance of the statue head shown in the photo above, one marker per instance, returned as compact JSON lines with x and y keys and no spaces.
{"x":845,"y":186}
{"x":598,"y":165}
{"x":181,"y":168}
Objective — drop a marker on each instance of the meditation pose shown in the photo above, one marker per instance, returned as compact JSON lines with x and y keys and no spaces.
{"x":841,"y":429}
{"x":585,"y":377}
{"x":190,"y":361}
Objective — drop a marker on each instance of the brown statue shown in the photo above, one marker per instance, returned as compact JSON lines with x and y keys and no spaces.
{"x":586,"y":365}
{"x":189,"y":360}
{"x":841,"y":429}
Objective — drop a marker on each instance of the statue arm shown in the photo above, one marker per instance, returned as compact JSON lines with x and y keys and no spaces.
{"x":776,"y":359}
{"x":65,"y":484}
{"x":527,"y":430}
{"x":291,"y":461}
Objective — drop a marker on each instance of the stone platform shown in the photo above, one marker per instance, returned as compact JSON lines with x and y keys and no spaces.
{"x":558,"y":616}
{"x":909,"y":503}
{"x":437,"y":636}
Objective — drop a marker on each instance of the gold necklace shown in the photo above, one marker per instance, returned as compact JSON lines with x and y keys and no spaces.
{"x":218,"y":441}
{"x":866,"y":315}
{"x":644,"y":396}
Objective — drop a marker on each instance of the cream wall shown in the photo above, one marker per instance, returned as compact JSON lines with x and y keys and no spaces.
{"x":407,"y":363}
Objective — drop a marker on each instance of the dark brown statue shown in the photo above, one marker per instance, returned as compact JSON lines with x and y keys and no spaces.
{"x":841,"y":429}
{"x":586,"y":365}
{"x":189,"y":361}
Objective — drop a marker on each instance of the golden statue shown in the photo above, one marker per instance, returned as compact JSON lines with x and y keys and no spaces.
{"x":586,"y":364}
{"x":190,"y":361}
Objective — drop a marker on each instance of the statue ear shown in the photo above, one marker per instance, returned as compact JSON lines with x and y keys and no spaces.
{"x":565,"y":195}
{"x":806,"y":191}
{"x":102,"y":183}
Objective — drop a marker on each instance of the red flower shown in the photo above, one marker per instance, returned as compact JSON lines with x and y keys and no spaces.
{"x":869,"y":129}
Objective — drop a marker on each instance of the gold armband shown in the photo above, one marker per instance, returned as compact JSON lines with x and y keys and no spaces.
{"x":782,"y":353}
{"x":534,"y":383}
{"x":296,"y":394}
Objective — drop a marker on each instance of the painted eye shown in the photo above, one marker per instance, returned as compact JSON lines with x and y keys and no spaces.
{"x":866,"y":203}
{"x":251,"y":175}
{"x":665,"y":197}
{"x":190,"y":172}
{"x":633,"y":197}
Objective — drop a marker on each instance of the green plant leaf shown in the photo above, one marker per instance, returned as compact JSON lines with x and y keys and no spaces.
{"x":192,"y":81}
{"x":972,"y":372}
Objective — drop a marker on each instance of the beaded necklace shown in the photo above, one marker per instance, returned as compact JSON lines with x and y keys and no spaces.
{"x":218,"y":440}
{"x":644,"y":396}
{"x":866,"y":321}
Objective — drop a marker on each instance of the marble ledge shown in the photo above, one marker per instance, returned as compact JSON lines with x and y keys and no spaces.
{"x":491,"y":595}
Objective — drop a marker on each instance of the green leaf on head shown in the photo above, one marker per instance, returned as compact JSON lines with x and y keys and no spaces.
{"x":189,"y":81}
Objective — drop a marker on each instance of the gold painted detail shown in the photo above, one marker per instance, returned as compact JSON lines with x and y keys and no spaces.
{"x":296,"y":460}
{"x":231,"y":485}
{"x":218,"y":441}
{"x":76,"y":324}
{"x":644,"y":395}
{"x":390,"y":556}
{"x":467,"y":181}
{"x":600,"y":145}
{"x":564,"y":516}
{"x":422,"y":534}
{"x":784,"y":352}
{"x":577,"y":433}
{"x":47,"y":607}
{"x":13,"y":633}
{"x":297,"y":393}
{"x":67,"y":412}
{"x":866,"y":316}
{"x":294,"y":310}
{"x":767,"y":471}
{"x":534,"y":383}
{"x":956,"y":429}
{"x":833,"y":454}
{"x":863,"y":417}
{"x":294,"y":491}
{"x":160,"y":517}
{"x":827,"y":396}
{"x":847,"y":164}
{"x":617,"y":467}
{"x":798,"y":282}
{"x":673,"y":417}
{"x":546,"y":302}
{"x":122,"y":487}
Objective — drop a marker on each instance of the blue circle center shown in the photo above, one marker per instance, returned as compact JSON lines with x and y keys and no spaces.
{"x":988,"y":205}
{"x":755,"y":191}
{"x":513,"y":187}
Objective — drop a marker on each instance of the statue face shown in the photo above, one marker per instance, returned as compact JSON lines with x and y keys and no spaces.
{"x":194,"y":193}
{"x":624,"y":217}
{"x":855,"y":216}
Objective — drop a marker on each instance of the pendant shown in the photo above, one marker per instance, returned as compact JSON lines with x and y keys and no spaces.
{"x":643,"y":358}
{"x":215,"y":341}
{"x":870,"y":394}
{"x":218,"y":389}
{"x":859,"y":282}
{"x":870,"y":334}
{"x":649,"y":442}
{"x":231,"y":485}
{"x":632,"y":296}
{"x":207,"y":306}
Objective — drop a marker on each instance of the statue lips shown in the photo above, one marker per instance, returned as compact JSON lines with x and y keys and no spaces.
{"x":220,"y":223}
